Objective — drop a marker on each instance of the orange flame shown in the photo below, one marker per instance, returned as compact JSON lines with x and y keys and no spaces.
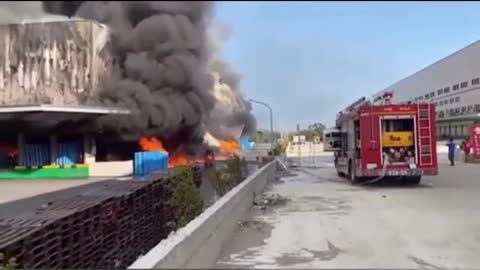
{"x":178,"y":158}
{"x":229,"y":147}
{"x":151,"y":144}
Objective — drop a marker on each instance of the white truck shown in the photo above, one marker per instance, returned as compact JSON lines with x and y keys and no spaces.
{"x":331,"y":139}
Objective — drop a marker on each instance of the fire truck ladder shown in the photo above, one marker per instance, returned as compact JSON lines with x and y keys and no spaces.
{"x":425,"y":140}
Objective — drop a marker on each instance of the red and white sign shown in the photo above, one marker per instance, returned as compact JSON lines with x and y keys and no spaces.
{"x":475,"y":139}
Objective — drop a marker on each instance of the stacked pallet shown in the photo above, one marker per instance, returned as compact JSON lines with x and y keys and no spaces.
{"x":108,"y":227}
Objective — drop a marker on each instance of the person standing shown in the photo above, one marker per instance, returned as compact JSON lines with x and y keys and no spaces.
{"x":451,"y":151}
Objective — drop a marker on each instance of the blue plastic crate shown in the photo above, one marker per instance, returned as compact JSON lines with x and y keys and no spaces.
{"x":146,"y":163}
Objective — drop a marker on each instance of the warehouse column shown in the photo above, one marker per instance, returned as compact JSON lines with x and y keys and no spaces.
{"x":89,"y":149}
{"x":21,"y":149}
{"x":53,"y":149}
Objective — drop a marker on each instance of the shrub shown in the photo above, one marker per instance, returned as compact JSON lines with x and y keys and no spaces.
{"x":183,"y":197}
{"x":7,"y":264}
{"x":234,"y":173}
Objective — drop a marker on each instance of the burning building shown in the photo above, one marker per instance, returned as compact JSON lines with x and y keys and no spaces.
{"x":50,"y":76}
{"x":90,"y":91}
{"x":48,"y":71}
{"x":57,"y":63}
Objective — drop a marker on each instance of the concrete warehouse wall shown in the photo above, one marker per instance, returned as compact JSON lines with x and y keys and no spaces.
{"x":111,"y":168}
{"x":199,"y":244}
{"x":52,"y":62}
{"x":460,"y":66}
{"x":306,"y":149}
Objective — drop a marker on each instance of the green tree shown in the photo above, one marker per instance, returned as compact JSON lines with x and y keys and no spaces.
{"x":264,"y":136}
{"x":315,"y":129}
{"x":318,"y":128}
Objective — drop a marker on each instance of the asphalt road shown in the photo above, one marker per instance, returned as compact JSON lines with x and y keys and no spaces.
{"x":11,"y":190}
{"x":26,"y":205}
{"x":331,"y":224}
{"x":45,"y":192}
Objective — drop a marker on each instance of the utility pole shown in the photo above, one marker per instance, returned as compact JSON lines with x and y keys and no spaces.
{"x":271,"y":121}
{"x":299,"y":147}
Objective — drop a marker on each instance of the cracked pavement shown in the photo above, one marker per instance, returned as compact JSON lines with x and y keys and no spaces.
{"x":328,"y":223}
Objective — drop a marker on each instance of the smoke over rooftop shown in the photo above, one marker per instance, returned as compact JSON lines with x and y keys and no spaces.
{"x":162,"y":70}
{"x":24,"y":11}
{"x":231,"y":109}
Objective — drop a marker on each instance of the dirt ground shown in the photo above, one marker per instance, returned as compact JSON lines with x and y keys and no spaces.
{"x":328,"y":223}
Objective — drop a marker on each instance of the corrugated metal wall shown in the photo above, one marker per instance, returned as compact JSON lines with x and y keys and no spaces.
{"x":146,"y":163}
{"x":4,"y":160}
{"x":69,"y":153}
{"x":53,"y":62}
{"x":37,"y":154}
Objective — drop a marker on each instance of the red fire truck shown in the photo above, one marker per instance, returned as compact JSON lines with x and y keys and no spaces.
{"x":382,"y":140}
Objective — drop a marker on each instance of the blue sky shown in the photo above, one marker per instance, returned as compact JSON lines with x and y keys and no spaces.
{"x":310,"y":59}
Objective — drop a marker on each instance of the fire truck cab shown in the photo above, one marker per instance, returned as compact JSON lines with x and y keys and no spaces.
{"x":385,"y":140}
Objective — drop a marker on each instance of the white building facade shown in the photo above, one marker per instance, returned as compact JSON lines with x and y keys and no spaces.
{"x":453,"y":84}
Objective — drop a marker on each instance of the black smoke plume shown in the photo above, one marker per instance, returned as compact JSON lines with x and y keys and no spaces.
{"x":162,"y":70}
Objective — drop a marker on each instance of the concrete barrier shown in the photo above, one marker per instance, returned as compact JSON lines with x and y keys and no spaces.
{"x":306,"y":149}
{"x":111,"y":168}
{"x":442,"y":149}
{"x":199,"y":244}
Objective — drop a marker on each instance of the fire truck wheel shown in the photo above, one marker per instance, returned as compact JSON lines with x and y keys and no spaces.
{"x":351,"y":173}
{"x":414,"y":180}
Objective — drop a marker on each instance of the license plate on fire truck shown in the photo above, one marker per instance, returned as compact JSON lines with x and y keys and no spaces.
{"x":403,"y":172}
